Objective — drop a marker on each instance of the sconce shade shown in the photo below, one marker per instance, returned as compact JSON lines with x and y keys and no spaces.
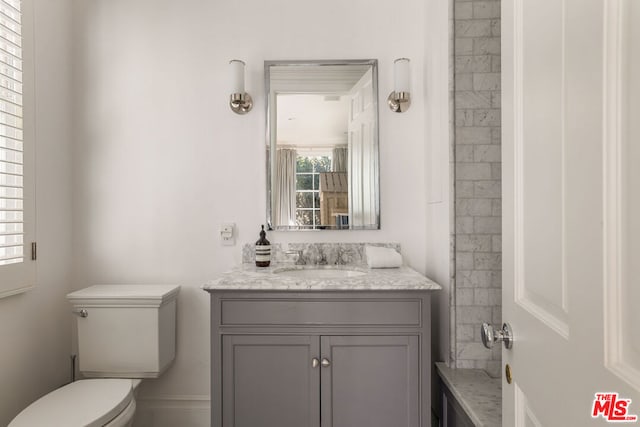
{"x":239,"y":101}
{"x":237,"y":75}
{"x":401,"y":75}
{"x":400,"y":99}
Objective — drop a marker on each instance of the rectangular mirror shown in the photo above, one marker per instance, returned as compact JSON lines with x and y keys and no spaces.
{"x":322,"y":145}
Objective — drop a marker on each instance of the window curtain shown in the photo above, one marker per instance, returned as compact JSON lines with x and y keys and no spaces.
{"x":339,"y":159}
{"x":285,"y":187}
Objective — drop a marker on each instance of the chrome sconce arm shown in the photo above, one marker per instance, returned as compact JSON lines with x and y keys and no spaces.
{"x":399,"y":102}
{"x":240,"y":103}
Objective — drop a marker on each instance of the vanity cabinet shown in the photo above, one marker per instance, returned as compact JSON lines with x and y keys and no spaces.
{"x":320,"y":359}
{"x":371,"y":381}
{"x":267,"y":380}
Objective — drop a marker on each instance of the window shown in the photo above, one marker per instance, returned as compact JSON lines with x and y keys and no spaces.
{"x":308,"y":169}
{"x":11,"y":145}
{"x":16,"y":195}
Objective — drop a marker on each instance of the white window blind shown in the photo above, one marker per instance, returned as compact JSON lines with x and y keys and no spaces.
{"x":12,"y":244}
{"x":11,"y":135}
{"x":17,"y":147}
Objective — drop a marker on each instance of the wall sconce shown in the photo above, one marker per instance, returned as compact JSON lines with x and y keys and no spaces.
{"x":240,"y":101}
{"x":400,"y":99}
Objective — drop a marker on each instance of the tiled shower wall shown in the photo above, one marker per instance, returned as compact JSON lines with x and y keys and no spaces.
{"x":478,"y":258}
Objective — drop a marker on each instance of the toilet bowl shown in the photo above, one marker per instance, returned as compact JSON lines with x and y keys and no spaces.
{"x":93,"y":402}
{"x":125,"y":333}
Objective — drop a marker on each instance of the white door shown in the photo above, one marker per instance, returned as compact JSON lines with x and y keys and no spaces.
{"x":571,"y":205}
{"x":362,"y":153}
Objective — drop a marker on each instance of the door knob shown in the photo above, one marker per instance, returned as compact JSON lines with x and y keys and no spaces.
{"x":315,"y":362}
{"x":325,"y":362}
{"x":490,"y":335}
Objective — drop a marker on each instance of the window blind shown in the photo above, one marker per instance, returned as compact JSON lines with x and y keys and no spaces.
{"x":11,"y":135}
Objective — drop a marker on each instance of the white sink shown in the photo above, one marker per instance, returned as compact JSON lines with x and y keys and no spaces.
{"x":320,"y":273}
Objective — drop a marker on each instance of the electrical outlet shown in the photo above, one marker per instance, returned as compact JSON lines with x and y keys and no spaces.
{"x":227,"y":234}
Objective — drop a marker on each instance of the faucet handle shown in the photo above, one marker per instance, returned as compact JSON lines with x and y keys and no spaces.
{"x":299,"y":260}
{"x":343,"y":256}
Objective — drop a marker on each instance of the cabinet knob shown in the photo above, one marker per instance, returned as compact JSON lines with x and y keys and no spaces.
{"x":315,"y":362}
{"x":325,"y":362}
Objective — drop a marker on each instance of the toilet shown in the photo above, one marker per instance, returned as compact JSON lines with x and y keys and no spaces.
{"x":125,"y":333}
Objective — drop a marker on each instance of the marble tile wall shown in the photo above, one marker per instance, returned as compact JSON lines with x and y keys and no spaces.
{"x":317,"y":253}
{"x":478,"y":252}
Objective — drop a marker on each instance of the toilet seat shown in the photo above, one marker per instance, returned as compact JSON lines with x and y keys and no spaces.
{"x":84,"y":403}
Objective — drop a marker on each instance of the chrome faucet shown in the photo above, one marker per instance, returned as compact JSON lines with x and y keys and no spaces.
{"x":343,"y":256}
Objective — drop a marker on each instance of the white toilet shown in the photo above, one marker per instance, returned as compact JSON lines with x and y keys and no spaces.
{"x":125,"y":333}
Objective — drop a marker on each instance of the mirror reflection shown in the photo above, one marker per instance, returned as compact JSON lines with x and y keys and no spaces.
{"x":322,"y":145}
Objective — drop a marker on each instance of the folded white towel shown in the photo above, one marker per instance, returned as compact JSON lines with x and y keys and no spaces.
{"x":378,"y":257}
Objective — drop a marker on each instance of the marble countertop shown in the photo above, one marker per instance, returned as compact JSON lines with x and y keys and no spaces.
{"x":251,"y":278}
{"x":479,"y":395}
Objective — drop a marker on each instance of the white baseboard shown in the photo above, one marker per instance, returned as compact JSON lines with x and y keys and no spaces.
{"x":173,"y":411}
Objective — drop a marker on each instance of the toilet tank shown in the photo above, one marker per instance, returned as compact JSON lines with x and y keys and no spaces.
{"x":125,"y":331}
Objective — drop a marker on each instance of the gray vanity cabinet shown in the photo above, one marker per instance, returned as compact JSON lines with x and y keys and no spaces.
{"x":269,"y":381}
{"x":320,"y":359}
{"x":372,"y":381}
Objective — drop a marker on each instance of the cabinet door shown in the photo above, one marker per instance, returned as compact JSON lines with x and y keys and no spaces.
{"x":371,"y":381}
{"x":269,"y":381}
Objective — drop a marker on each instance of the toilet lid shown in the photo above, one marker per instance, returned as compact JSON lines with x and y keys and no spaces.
{"x":84,"y":403}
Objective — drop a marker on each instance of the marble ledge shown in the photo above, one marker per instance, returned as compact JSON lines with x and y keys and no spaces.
{"x":251,"y":278}
{"x":477,"y":393}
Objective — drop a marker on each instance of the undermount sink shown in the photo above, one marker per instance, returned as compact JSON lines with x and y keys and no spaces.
{"x":320,"y":273}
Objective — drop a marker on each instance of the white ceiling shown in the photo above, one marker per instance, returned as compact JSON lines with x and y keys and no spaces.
{"x":312,"y":120}
{"x":312,"y":102}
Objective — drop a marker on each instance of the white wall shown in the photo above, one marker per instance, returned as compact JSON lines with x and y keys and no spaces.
{"x":161,"y":161}
{"x":35,"y":337}
{"x":438,"y":84}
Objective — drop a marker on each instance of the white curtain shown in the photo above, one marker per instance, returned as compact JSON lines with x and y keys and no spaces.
{"x":285,"y":187}
{"x":339,"y":159}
